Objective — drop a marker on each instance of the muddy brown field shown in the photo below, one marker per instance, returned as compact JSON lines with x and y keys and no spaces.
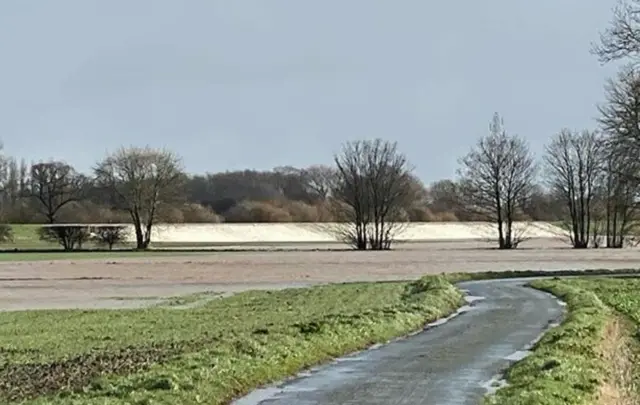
{"x":121,"y":283}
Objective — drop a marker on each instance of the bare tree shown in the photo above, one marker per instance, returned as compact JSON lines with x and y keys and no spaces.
{"x":68,"y":236}
{"x":373,"y":189}
{"x":574,"y":172}
{"x":444,"y":197}
{"x":54,"y":185}
{"x":620,"y":114}
{"x":109,"y":235}
{"x":620,"y":120}
{"x":544,"y":205}
{"x":287,"y":181}
{"x":23,"y":178}
{"x":141,"y":179}
{"x":320,"y":180}
{"x":622,"y":211}
{"x":622,"y":38}
{"x":4,"y":179}
{"x":497,"y":178}
{"x":12,"y":187}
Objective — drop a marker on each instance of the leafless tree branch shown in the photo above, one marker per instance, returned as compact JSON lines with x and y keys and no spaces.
{"x":373,"y":189}
{"x":497,"y":179}
{"x":574,"y":172}
{"x":54,"y":185}
{"x":141,"y":180}
{"x":622,"y":38}
{"x":620,"y":121}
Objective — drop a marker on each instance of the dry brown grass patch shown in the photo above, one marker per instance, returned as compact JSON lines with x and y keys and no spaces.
{"x":620,"y":354}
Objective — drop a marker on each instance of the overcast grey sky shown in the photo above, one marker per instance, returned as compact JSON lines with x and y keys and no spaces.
{"x":255,"y":84}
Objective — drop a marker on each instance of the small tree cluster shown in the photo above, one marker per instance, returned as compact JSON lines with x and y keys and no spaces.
{"x":574,"y":165}
{"x":620,"y":122}
{"x":68,"y":236}
{"x":72,"y":236}
{"x":372,"y":192}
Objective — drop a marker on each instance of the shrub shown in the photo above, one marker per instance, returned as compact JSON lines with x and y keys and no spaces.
{"x":257,"y":211}
{"x":196,"y":213}
{"x":109,"y":235}
{"x":298,"y":210}
{"x":446,"y":216}
{"x":6,"y":233}
{"x":324,"y":212}
{"x":168,"y":214}
{"x":301,"y":211}
{"x":420,"y":214}
{"x":87,"y":212}
{"x":68,"y":236}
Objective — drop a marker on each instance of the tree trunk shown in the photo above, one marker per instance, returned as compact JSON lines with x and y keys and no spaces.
{"x":501,"y":241}
{"x":139,"y":237}
{"x":147,"y":237}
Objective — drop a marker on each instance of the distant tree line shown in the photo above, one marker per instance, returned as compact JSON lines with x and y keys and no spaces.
{"x":54,"y":192}
{"x":588,"y":181}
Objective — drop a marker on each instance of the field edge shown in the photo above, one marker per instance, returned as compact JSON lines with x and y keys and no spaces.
{"x":422,"y":301}
{"x":575,"y":362}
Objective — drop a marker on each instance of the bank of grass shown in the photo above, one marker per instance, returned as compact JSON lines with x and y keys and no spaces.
{"x":25,"y":236}
{"x":510,"y":274}
{"x":208,"y":354}
{"x":591,"y":357}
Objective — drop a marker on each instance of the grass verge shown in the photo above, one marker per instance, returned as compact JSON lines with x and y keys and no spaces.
{"x":209,"y":354}
{"x":620,"y":350}
{"x":495,"y":275}
{"x":564,"y":367}
{"x":590,"y":358}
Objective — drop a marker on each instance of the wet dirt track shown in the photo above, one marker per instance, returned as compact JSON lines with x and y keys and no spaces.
{"x":451,"y":364}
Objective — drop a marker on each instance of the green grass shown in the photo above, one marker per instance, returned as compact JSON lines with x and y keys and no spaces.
{"x":209,"y":354}
{"x":566,"y":366}
{"x":224,"y":348}
{"x":25,"y":236}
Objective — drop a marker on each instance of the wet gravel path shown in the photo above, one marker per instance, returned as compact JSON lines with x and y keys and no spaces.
{"x":451,"y":364}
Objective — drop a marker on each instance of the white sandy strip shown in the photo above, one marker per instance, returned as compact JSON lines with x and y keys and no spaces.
{"x":327,"y":232}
